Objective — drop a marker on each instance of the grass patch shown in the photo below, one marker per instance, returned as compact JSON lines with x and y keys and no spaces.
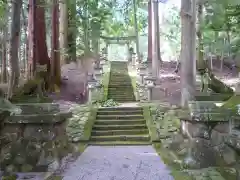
{"x":55,"y":177}
{"x":82,"y":147}
{"x":88,"y":125}
{"x":151,"y":126}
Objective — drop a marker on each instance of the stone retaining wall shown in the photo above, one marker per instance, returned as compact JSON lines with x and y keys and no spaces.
{"x":208,"y":148}
{"x":33,"y":146}
{"x":76,"y":124}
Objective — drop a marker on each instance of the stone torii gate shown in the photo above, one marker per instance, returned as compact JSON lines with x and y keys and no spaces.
{"x":124,"y":40}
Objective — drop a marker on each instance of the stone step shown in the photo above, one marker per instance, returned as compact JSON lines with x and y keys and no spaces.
{"x":114,"y":117}
{"x":123,"y":85}
{"x":119,"y":132}
{"x":121,"y":98}
{"x":117,"y":112}
{"x":124,"y":101}
{"x":123,"y":94}
{"x":121,"y":138}
{"x":119,"y":143}
{"x":120,"y":78}
{"x":119,"y":122}
{"x":119,"y":91}
{"x":119,"y":127}
{"x":122,"y":81}
{"x":126,"y":109}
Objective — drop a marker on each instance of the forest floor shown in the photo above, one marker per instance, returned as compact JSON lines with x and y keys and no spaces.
{"x":168,"y":84}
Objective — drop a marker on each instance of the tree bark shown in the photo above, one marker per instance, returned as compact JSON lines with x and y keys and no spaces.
{"x":63,"y":31}
{"x":157,"y":31}
{"x":136,"y":28}
{"x":188,"y":64}
{"x":55,"y":59}
{"x":14,"y":46}
{"x":72,"y":31}
{"x":149,"y":58}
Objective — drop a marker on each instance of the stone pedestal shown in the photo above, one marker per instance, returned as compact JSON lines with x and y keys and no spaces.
{"x":150,"y":85}
{"x":90,"y":76}
{"x":98,"y":73}
{"x":142,"y":72}
{"x":150,"y":91}
{"x":91,"y":88}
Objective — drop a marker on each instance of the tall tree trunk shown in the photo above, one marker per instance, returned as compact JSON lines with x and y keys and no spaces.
{"x":4,"y":56}
{"x":188,"y":64}
{"x":14,"y":46}
{"x":37,"y":39}
{"x":63,"y":31}
{"x":72,"y":31}
{"x":136,"y":28}
{"x":149,"y":58}
{"x":85,"y":29}
{"x":41,"y":45}
{"x":55,"y":59}
{"x":155,"y":61}
{"x":157,"y":32}
{"x":25,"y":56}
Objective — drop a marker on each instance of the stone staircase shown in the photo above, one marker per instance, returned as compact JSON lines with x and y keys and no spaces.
{"x":120,"y":126}
{"x":120,"y":86}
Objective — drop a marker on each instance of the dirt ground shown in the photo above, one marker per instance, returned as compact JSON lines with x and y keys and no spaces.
{"x":168,"y":84}
{"x":73,"y":88}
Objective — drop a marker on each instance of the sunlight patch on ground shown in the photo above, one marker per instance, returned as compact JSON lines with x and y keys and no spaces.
{"x":165,"y":74}
{"x":231,"y":81}
{"x":131,"y":104}
{"x":148,"y":154}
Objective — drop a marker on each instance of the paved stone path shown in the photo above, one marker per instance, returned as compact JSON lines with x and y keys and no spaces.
{"x":118,"y":163}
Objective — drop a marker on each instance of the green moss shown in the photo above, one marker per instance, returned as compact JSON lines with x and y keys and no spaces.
{"x":226,"y":173}
{"x":10,"y":177}
{"x":55,"y":178}
{"x":213,"y":97}
{"x":179,"y":175}
{"x":82,"y":147}
{"x":232,"y":102}
{"x":168,"y":158}
{"x":88,"y":125}
{"x":150,"y":124}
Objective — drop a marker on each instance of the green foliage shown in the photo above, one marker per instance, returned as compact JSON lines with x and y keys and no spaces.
{"x":221,"y":27}
{"x":109,"y":103}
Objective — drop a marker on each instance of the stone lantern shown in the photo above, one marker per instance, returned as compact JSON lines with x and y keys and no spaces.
{"x":150,"y":81}
{"x":91,"y":87}
{"x":98,"y":73}
{"x":142,"y":73}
